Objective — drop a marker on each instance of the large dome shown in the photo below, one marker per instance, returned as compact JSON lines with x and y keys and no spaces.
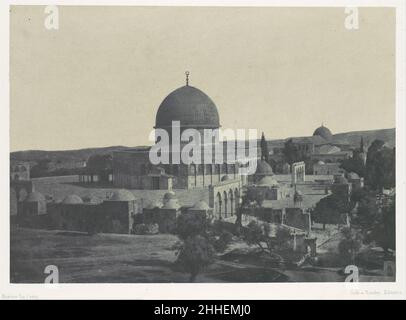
{"x":189,"y":105}
{"x":323,"y":132}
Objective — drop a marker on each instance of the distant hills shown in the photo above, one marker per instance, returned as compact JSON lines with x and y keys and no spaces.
{"x":64,"y":155}
{"x":353,"y":138}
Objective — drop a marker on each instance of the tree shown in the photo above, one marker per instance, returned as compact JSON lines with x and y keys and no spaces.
{"x":41,"y":169}
{"x":388,"y":240}
{"x":249,"y":197}
{"x":224,"y":239}
{"x":196,"y":254}
{"x":350,"y":245}
{"x":199,"y":241}
{"x":240,"y":208}
{"x":100,"y":164}
{"x":259,"y":234}
{"x":368,"y":212}
{"x":359,"y":194}
{"x":377,"y":221}
{"x":292,"y":153}
{"x":382,"y":229}
{"x":255,"y":234}
{"x":380,"y":166}
{"x":361,"y":145}
{"x":255,"y":195}
{"x":190,"y":224}
{"x":330,"y":210}
{"x":264,"y":148}
{"x":354,"y":164}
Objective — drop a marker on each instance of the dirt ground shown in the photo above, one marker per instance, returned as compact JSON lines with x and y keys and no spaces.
{"x":112,"y":258}
{"x":92,"y":259}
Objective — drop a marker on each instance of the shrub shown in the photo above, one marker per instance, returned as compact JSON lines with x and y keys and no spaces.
{"x":223,"y":241}
{"x":141,"y":229}
{"x":195,"y":255}
{"x":150,"y":228}
{"x":190,"y":224}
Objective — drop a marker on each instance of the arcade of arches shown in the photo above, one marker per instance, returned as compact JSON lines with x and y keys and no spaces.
{"x":224,"y":198}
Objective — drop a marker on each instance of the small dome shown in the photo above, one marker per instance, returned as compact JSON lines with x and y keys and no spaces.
{"x":323,"y":132}
{"x":201,"y":205}
{"x":225,"y":178}
{"x":171,"y":204}
{"x":72,"y":199}
{"x":267,"y":181}
{"x":154,"y":204}
{"x":263,"y":168}
{"x":35,"y":197}
{"x":353,"y":176}
{"x":122,"y":195}
{"x":169,"y":195}
{"x":93,"y":200}
{"x":320,"y":162}
{"x":298,"y":196}
{"x":340,"y":180}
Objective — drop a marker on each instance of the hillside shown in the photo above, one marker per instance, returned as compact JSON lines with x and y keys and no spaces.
{"x":353,"y":138}
{"x":64,"y":155}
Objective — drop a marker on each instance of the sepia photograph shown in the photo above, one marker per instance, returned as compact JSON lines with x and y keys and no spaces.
{"x":176,"y":144}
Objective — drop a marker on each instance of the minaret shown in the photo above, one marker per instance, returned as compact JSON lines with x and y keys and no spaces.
{"x":264,"y":148}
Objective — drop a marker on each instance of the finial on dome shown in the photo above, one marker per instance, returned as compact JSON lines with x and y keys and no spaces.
{"x":187,"y":77}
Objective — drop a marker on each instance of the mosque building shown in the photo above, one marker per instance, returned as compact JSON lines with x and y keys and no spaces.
{"x":194,"y":109}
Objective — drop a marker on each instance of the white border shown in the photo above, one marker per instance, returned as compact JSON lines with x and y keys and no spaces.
{"x":197,"y":290}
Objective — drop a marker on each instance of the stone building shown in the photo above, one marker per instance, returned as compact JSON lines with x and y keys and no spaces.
{"x":19,"y":171}
{"x":298,"y":172}
{"x":193,"y":109}
{"x":271,"y":189}
{"x":113,"y":215}
{"x":224,"y":197}
{"x":321,"y":146}
{"x":322,"y":168}
{"x":33,"y":204}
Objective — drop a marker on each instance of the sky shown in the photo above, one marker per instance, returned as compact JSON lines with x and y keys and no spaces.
{"x":99,"y":79}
